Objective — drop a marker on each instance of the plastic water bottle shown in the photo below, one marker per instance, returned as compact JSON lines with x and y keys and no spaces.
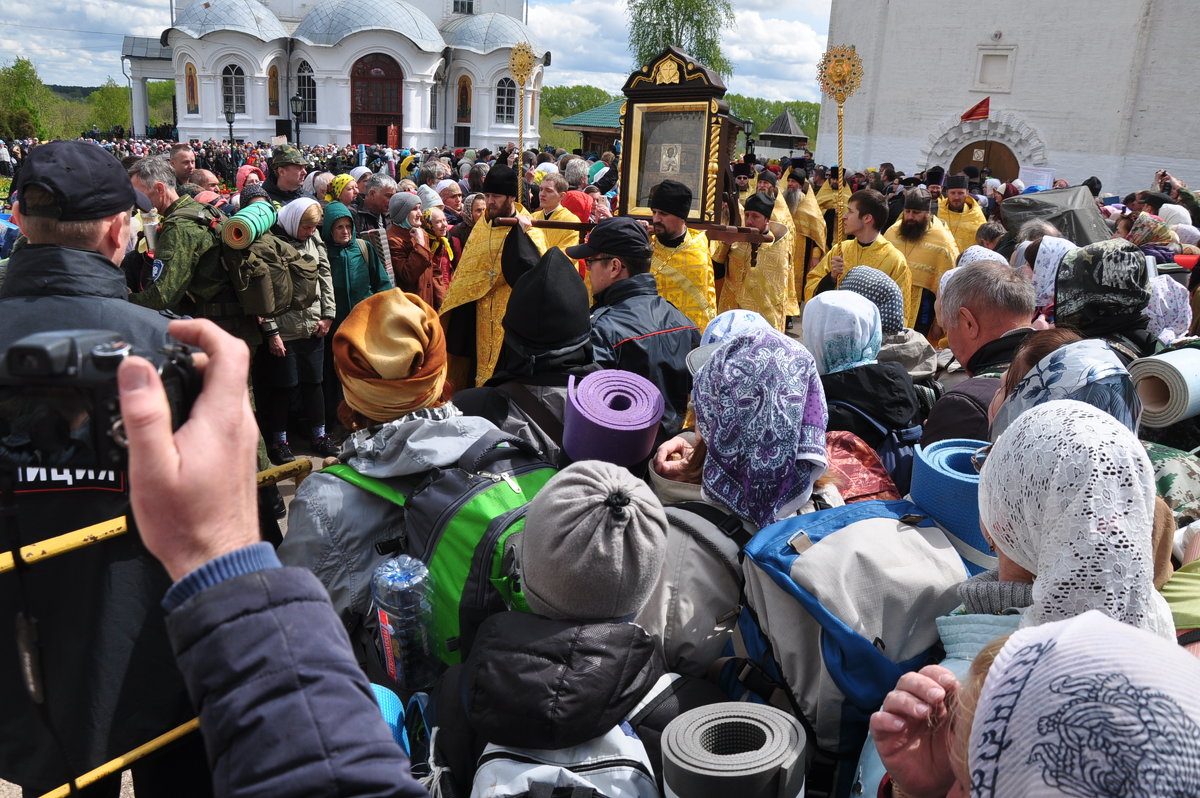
{"x":400,"y":591}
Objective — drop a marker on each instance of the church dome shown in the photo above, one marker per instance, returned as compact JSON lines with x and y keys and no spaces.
{"x":330,"y":22}
{"x":485,"y":33}
{"x":202,"y":17}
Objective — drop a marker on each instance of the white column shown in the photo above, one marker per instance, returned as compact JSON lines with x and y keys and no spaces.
{"x":141,"y":107}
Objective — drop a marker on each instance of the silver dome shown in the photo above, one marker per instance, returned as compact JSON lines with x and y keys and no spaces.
{"x":485,"y":33}
{"x":251,"y":17}
{"x":330,"y":22}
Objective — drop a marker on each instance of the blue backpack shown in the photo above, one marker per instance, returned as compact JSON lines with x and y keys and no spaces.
{"x":839,"y":604}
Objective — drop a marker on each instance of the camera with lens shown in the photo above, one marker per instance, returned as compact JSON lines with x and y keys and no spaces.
{"x":59,"y":405}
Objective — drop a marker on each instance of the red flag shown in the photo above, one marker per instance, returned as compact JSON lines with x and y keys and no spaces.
{"x":978,"y":111}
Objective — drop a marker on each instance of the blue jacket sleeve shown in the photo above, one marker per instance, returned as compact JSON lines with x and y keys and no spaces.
{"x":284,"y":708}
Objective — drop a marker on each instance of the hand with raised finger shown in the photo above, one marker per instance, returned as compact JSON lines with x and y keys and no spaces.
{"x":912,"y":732}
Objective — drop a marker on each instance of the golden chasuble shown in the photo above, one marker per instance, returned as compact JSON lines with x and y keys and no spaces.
{"x":479,"y":279}
{"x":963,"y":225}
{"x":934,"y":254}
{"x":810,"y":226}
{"x":558,"y":238}
{"x":879,"y":254}
{"x":827,"y":197}
{"x":685,"y":277}
{"x":768,"y":288}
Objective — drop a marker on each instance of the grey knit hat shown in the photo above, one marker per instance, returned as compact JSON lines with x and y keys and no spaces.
{"x":594,"y":542}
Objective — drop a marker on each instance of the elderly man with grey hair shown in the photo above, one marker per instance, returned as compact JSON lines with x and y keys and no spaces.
{"x":576,"y":173}
{"x":986,"y":309}
{"x":371,"y":206}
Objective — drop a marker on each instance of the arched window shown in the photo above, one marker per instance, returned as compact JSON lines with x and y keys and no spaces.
{"x":306,"y":87}
{"x":233,"y":88}
{"x":506,"y":102}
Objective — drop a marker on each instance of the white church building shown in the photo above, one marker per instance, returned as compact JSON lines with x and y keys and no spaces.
{"x":431,"y":72}
{"x":1076,"y":87}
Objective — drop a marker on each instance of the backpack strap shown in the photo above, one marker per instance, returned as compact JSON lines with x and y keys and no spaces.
{"x":667,"y":685}
{"x":729,"y":523}
{"x":362,"y":249}
{"x":369,"y":484}
{"x":882,"y":430}
{"x":473,"y":458}
{"x":523,"y":398}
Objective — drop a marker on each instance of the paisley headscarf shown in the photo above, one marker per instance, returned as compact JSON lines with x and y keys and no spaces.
{"x":842,"y":330}
{"x":1149,"y":230}
{"x":760,"y":410}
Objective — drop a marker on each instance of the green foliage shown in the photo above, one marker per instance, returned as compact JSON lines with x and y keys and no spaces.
{"x":764,"y":112}
{"x":694,"y":26}
{"x":160,"y":95}
{"x":108,"y":106}
{"x":23,"y":98}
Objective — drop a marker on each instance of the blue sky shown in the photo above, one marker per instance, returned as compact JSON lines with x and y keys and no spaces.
{"x":774,"y":47}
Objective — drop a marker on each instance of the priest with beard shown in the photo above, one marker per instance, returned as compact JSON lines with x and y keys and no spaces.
{"x":960,"y":211}
{"x":809,"y":240}
{"x":930,"y":251}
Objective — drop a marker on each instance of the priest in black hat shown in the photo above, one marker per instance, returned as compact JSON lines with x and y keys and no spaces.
{"x":960,"y":211}
{"x":681,"y":263}
{"x":475,"y":303}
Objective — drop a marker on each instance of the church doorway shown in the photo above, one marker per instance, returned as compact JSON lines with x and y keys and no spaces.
{"x":376,"y":83}
{"x":992,"y":154}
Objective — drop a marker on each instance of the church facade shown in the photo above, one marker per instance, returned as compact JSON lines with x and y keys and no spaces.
{"x":429,"y":72}
{"x":1076,"y":88}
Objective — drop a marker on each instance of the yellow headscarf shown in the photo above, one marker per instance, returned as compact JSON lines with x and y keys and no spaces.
{"x":336,"y":187}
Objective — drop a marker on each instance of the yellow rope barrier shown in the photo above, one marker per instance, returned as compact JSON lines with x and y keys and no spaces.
{"x":125,"y":760}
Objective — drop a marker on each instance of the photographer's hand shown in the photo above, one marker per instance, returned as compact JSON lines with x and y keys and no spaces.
{"x":193,"y":493}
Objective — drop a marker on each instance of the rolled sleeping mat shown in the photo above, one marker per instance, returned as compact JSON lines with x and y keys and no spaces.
{"x":945,"y":484}
{"x":240,"y":230}
{"x":611,"y":415}
{"x":734,"y":749}
{"x":1168,"y":385}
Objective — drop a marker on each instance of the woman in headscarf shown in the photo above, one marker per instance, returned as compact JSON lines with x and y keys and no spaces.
{"x":843,"y":332}
{"x":412,"y":260}
{"x":1102,"y":291}
{"x":357,"y":273}
{"x":1066,"y":497}
{"x":1044,"y":257}
{"x":343,"y":189}
{"x":1170,"y":310}
{"x":1083,"y":707}
{"x":293,"y":360}
{"x":1154,"y":237}
{"x":901,"y":344}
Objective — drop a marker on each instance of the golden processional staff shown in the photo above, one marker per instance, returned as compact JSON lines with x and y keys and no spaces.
{"x":840,"y":73}
{"x":520,"y":64}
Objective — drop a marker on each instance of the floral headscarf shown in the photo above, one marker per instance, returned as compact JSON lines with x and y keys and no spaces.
{"x":842,"y":330}
{"x":1086,"y":706}
{"x":1086,"y":371}
{"x":978,"y":254}
{"x":1050,"y":256}
{"x":1170,"y":309}
{"x":760,"y":410}
{"x":1149,"y":230}
{"x":880,"y":289}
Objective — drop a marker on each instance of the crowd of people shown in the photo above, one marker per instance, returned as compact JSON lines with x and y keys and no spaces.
{"x":456,"y":299}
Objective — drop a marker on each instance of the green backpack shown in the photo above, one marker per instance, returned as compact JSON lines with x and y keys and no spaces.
{"x":460,"y":521}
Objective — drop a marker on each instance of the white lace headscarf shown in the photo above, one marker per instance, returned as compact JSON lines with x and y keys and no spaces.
{"x":1067,"y":493}
{"x":1088,"y":707}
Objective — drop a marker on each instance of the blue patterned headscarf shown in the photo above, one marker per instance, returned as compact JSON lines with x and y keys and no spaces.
{"x":880,"y":289}
{"x":842,"y":330}
{"x":761,"y":411}
{"x":1087,"y":371}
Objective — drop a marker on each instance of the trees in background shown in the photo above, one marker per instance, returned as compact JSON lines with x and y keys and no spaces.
{"x":695,"y":26}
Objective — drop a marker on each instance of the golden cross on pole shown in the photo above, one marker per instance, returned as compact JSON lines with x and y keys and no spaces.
{"x":521,"y":63}
{"x":840,"y":73}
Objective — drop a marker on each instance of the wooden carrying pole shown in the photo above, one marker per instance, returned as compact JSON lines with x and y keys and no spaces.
{"x":840,"y":74}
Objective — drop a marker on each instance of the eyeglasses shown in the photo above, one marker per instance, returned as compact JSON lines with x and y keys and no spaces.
{"x":590,"y":261}
{"x":979,"y":457}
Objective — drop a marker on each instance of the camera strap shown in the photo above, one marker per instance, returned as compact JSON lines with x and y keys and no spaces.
{"x":28,"y":646}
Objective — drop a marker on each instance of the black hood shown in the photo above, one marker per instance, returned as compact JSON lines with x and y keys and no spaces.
{"x":532,"y":682}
